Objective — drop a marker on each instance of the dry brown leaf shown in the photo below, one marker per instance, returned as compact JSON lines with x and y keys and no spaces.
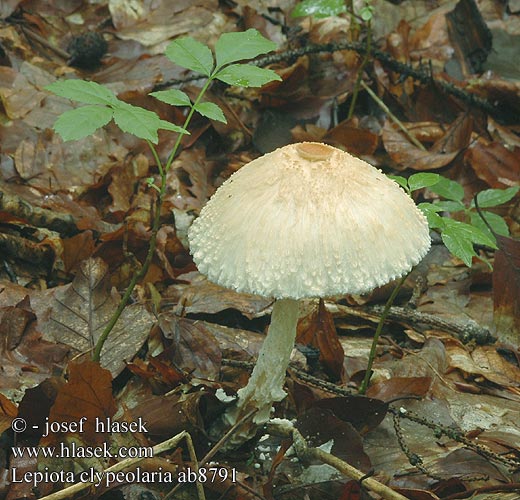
{"x":400,"y":387}
{"x":87,"y":395}
{"x":77,"y":249}
{"x":202,"y":296}
{"x":82,"y":309}
{"x":195,"y":350}
{"x":484,"y":361}
{"x":408,"y":156}
{"x":318,"y":330}
{"x":353,"y":139}
{"x":498,"y":166}
{"x":8,"y":411}
{"x":506,"y":291}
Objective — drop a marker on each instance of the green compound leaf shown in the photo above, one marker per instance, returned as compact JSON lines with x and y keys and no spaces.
{"x":495,"y":197}
{"x":232,"y":47}
{"x":141,"y":122}
{"x":191,"y":54}
{"x":498,"y":224}
{"x":245,"y":75}
{"x":448,"y":189}
{"x":82,"y":122}
{"x":319,"y":8}
{"x":459,"y":238}
{"x":422,"y":180}
{"x":173,"y":97}
{"x":84,"y":92}
{"x":211,"y":111}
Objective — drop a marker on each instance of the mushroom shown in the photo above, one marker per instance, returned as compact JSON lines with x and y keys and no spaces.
{"x":306,"y":220}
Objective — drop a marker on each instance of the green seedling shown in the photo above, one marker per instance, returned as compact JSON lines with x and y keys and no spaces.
{"x":101,"y":105}
{"x":460,"y":236}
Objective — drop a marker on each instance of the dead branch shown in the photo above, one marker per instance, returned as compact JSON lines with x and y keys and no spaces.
{"x":466,"y":330}
{"x":62,"y":223}
{"x":307,"y":453}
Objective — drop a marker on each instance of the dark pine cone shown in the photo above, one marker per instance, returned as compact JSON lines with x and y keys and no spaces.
{"x":86,"y":50}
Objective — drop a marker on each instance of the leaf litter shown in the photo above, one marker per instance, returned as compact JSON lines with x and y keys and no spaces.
{"x":441,"y":417}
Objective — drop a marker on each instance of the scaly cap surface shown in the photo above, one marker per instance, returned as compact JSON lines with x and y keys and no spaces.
{"x":308,"y":220}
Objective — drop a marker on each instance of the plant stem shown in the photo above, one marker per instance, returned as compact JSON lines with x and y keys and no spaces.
{"x":384,"y":314}
{"x":139,"y":275}
{"x":187,"y":122}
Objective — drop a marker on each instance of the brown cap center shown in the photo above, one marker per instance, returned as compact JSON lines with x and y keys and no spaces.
{"x":314,"y":151}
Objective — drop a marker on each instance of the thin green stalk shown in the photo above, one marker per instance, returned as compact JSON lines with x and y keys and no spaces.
{"x":186,"y":123}
{"x":139,"y":275}
{"x":379,"y":329}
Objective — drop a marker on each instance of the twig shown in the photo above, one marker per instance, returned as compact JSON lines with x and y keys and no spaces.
{"x":63,"y":223}
{"x":466,"y":330}
{"x":392,"y":117}
{"x":124,"y":464}
{"x":31,"y":34}
{"x":214,"y":449}
{"x":399,"y":67}
{"x":307,"y":453}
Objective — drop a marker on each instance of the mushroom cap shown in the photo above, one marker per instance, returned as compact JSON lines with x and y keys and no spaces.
{"x":308,"y":220}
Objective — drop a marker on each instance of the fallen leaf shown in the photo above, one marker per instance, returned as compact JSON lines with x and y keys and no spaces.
{"x":318,"y":331}
{"x":506,"y":291}
{"x":81,"y":310}
{"x":498,"y":166}
{"x":408,"y":156}
{"x":195,"y":350}
{"x":87,"y":395}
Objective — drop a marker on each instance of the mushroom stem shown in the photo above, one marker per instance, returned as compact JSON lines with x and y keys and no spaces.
{"x":266,"y":382}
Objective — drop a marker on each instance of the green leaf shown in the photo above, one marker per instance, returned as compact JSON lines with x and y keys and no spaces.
{"x":459,"y":238}
{"x":422,"y":180}
{"x":82,"y":122}
{"x":171,"y":126}
{"x":402,"y":181}
{"x":367,"y":13}
{"x":448,"y":189}
{"x":232,"y":47}
{"x":458,"y":245}
{"x":449,"y":206}
{"x":173,"y":96}
{"x":498,"y":224}
{"x":430,"y":211}
{"x":137,"y":121}
{"x":246,"y":75}
{"x":211,"y":111}
{"x":84,"y":92}
{"x":495,"y":197}
{"x":191,"y":54}
{"x":319,"y":8}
